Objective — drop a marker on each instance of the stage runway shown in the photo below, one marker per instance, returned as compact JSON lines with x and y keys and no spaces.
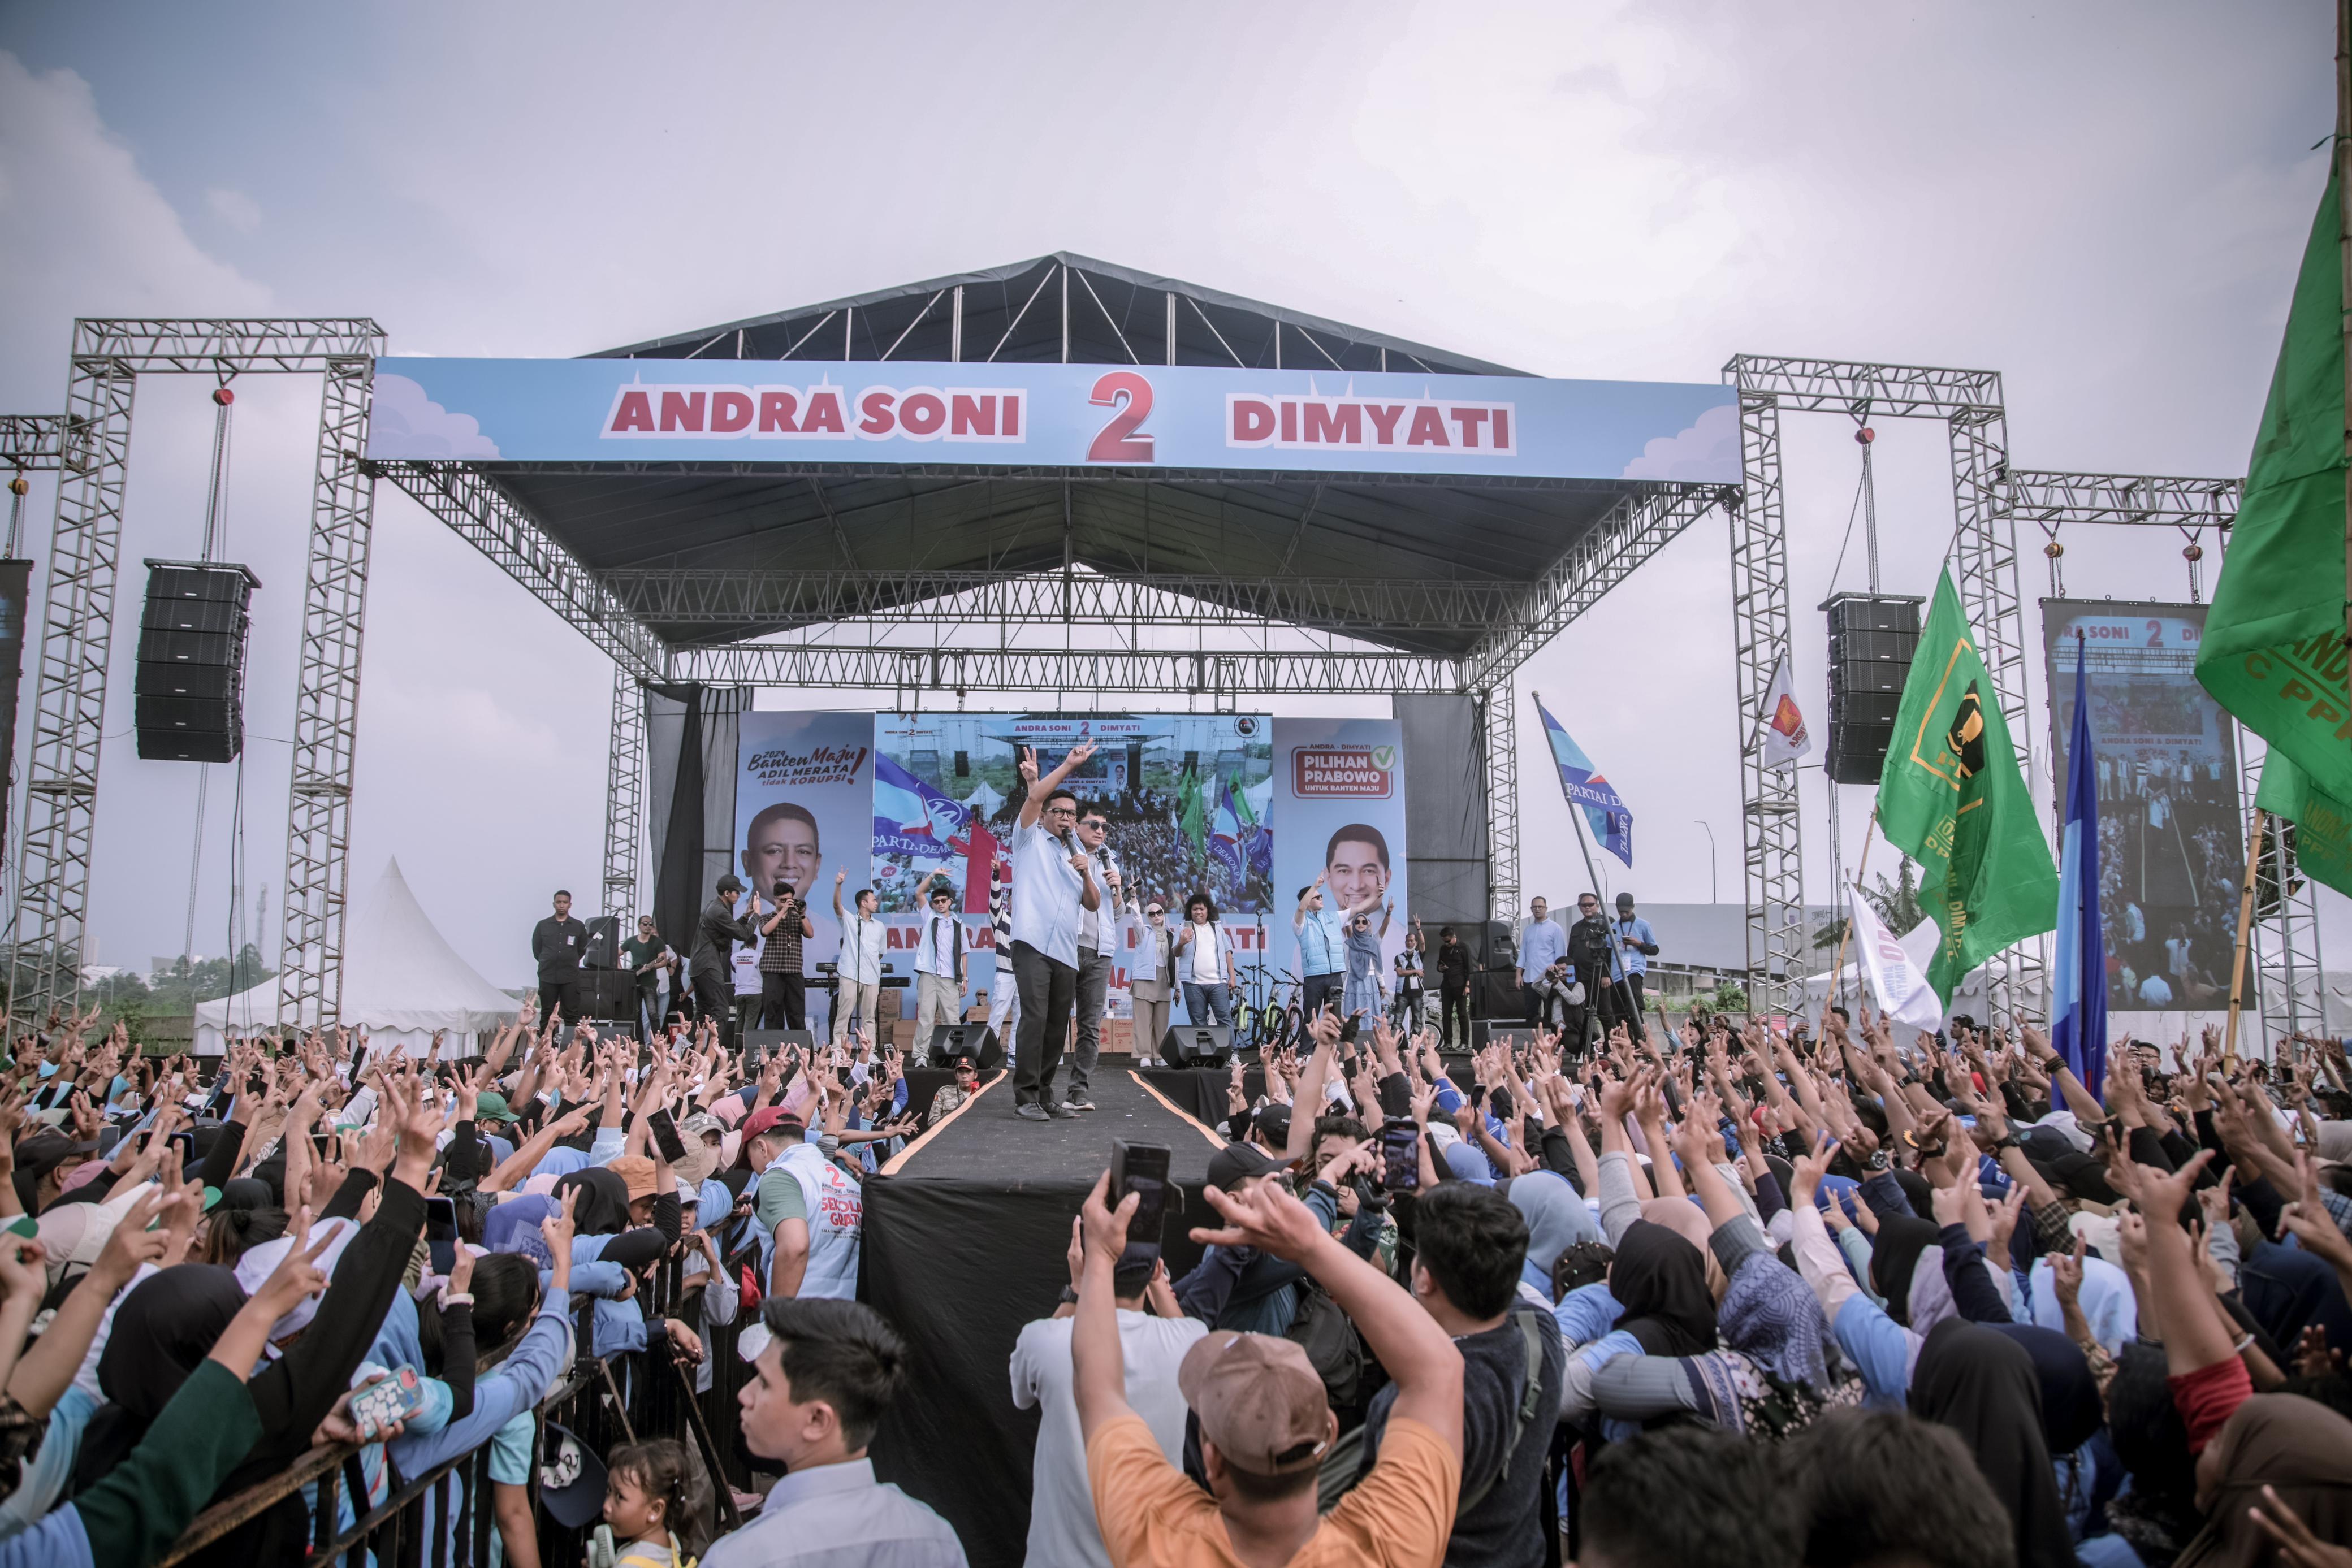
{"x":965,"y":1240}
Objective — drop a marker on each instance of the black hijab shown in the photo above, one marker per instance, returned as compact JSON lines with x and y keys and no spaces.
{"x":2070,"y":1411}
{"x":1982,"y":1385}
{"x":161,"y":1332}
{"x":604,"y":1206}
{"x":1660,"y":1279}
{"x":1894,"y":1254}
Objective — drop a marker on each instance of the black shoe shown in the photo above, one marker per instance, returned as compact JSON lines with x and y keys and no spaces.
{"x":1031,"y":1112}
{"x":1081,"y":1101}
{"x":1060,"y":1112}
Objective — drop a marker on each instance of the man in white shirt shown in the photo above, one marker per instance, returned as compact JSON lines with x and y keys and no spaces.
{"x":1053,"y":883}
{"x":1098,"y":942}
{"x":858,"y":970}
{"x":939,"y":964}
{"x":1062,"y":1529}
{"x":828,"y":1372}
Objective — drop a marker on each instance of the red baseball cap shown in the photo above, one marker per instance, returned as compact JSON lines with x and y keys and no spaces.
{"x":767,"y":1119}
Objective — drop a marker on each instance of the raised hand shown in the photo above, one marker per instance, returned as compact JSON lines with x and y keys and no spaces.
{"x":1261,"y":1215}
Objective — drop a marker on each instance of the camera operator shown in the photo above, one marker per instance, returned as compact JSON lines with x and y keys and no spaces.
{"x":1558,"y":989}
{"x":1587,"y":959}
{"x":783,"y":992}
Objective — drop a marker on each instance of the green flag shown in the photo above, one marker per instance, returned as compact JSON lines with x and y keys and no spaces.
{"x":2322,"y":824}
{"x":1192,"y":818}
{"x":1952,"y":798}
{"x":2272,"y":652}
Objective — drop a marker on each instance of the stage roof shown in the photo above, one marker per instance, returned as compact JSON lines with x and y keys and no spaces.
{"x":723,"y":551}
{"x":1118,"y":316}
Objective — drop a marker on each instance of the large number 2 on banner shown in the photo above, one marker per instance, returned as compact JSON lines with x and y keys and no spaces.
{"x":1117,"y":442}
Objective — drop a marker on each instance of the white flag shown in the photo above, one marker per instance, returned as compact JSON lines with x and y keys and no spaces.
{"x":1899,"y":981}
{"x":1781,"y":727}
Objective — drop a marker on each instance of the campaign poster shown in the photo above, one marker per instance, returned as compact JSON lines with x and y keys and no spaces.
{"x":804,"y":814}
{"x":2171,"y":845}
{"x":1339,"y":800}
{"x":1187,"y":795}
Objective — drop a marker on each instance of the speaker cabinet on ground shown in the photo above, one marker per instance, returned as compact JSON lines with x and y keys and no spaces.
{"x":1197,"y":1045}
{"x":977,"y":1040}
{"x":1872,"y":641}
{"x":188,"y":697}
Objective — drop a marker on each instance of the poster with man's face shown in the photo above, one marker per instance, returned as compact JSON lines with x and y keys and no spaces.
{"x":1339,"y":797}
{"x":804,"y":810}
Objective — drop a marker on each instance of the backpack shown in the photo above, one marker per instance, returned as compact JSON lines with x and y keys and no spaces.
{"x":1320,"y":1329}
{"x":1343,"y":1466}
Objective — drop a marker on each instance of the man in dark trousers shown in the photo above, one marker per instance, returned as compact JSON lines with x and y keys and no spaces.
{"x":712,"y":968}
{"x":1453,"y":986}
{"x":557,"y":943}
{"x":783,"y":992}
{"x":1589,"y":961}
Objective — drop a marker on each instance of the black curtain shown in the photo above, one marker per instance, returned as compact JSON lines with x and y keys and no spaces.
{"x":674,"y":732}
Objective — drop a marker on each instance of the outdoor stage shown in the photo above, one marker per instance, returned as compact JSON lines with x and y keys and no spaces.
{"x":967,"y":1234}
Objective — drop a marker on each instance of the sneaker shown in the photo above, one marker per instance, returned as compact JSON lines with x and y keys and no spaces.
{"x":1080,"y":1101}
{"x":1031,"y":1112}
{"x":1061,"y":1113}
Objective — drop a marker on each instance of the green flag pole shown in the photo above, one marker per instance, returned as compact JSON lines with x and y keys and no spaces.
{"x":2344,"y":256}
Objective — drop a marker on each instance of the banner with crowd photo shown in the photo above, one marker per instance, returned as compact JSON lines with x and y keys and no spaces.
{"x":2172,"y":854}
{"x":804,"y":814}
{"x":1187,"y":796}
{"x":1338,"y":801}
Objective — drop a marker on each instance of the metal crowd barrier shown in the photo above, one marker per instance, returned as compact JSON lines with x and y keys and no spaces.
{"x":601,"y":1401}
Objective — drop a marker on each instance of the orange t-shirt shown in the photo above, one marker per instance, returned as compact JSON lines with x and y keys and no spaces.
{"x":1153,"y":1516}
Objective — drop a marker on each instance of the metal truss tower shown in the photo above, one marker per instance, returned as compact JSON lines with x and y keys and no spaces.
{"x":1984,"y":556}
{"x":1772,"y":852}
{"x":624,"y":793}
{"x":78,"y":620}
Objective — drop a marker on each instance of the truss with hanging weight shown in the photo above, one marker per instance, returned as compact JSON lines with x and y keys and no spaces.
{"x":78,"y":620}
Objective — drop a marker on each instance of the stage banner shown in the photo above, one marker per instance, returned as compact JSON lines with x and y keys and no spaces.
{"x":1050,"y":416}
{"x":1187,"y":796}
{"x":1338,"y":801}
{"x":15,"y":591}
{"x":804,"y":814}
{"x":2171,"y":840}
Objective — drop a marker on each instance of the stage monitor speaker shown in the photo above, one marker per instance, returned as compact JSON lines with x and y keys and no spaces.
{"x":1484,"y":1033}
{"x":1197,"y":1045}
{"x":1872,"y":639}
{"x":977,"y":1040}
{"x":1502,"y":945}
{"x":188,"y":693}
{"x":759,"y":1043}
{"x":603,"y":949}
{"x":1495,"y":995}
{"x":607,"y":994}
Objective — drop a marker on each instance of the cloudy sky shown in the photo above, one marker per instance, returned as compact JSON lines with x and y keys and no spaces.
{"x":2103,"y":203}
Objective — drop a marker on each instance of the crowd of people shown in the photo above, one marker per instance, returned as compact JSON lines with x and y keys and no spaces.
{"x":1737,"y":1297}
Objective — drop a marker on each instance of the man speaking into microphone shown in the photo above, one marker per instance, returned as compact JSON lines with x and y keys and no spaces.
{"x":1053,"y":887}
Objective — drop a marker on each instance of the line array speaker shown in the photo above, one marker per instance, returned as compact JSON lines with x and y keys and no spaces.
{"x":188,"y":697}
{"x":1872,"y":639}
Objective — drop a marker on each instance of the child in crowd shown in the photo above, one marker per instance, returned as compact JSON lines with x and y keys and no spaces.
{"x":652,"y":1505}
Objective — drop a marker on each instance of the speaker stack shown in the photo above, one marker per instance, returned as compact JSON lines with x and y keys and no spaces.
{"x":188,"y":699}
{"x":1872,"y":639}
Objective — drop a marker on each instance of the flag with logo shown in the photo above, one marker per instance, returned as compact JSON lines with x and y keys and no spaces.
{"x":1895,"y":979}
{"x":1611,"y":823}
{"x":2272,"y":652}
{"x":1953,"y":799}
{"x":1781,"y":727}
{"x":1192,"y":817}
{"x":2078,"y":987}
{"x":1225,"y":834}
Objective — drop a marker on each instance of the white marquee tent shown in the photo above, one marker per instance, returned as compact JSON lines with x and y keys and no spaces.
{"x":402,"y":980}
